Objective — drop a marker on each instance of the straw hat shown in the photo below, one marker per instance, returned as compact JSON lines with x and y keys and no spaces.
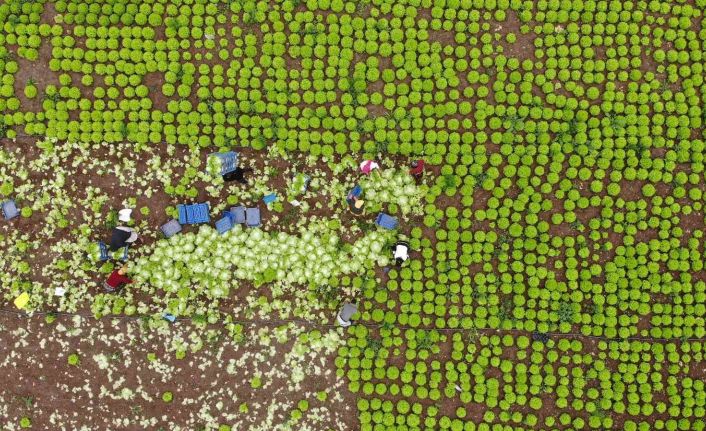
{"x":359,"y":203}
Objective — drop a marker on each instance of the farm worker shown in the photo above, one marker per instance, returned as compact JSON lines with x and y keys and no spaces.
{"x":357,"y":206}
{"x":122,"y":236}
{"x":368,"y":166}
{"x":400,"y":252}
{"x":117,"y":279}
{"x":237,"y":175}
{"x":344,"y":316}
{"x":354,"y":194}
{"x":417,"y":168}
{"x":124,"y":215}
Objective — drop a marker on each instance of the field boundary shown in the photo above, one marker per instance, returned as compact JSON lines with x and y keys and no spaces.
{"x":315,"y":325}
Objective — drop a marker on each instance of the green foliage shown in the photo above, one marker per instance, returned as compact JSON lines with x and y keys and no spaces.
{"x":30,"y":90}
{"x":564,"y":190}
{"x":73,"y":359}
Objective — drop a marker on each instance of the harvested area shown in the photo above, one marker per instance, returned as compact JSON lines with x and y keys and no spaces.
{"x":540,"y":177}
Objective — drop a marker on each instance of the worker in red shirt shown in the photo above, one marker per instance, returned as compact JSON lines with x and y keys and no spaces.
{"x":417,"y":169}
{"x":117,"y":280}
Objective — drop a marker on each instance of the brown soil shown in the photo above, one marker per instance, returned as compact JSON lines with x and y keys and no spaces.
{"x":523,"y":48}
{"x":40,"y":372}
{"x":154,"y":82}
{"x":39,"y":73}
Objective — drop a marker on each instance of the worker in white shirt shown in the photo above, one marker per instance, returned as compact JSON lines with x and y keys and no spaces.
{"x":401,"y":252}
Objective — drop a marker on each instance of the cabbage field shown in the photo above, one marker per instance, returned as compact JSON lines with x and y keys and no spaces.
{"x":556,"y":275}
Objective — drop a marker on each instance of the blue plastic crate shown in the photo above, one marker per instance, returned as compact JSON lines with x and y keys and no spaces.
{"x":237,"y":214}
{"x":252,"y":217}
{"x":125,"y":251}
{"x":105,"y":254}
{"x":200,"y":214}
{"x":268,"y":199}
{"x":386,"y":221}
{"x":224,"y":225}
{"x":193,"y":213}
{"x":355,"y":193}
{"x":182,"y":213}
{"x":229,"y":161}
{"x":170,"y":228}
{"x":9,"y":209}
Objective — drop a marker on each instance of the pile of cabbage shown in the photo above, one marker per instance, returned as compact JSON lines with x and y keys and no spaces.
{"x":393,"y":186}
{"x":205,"y":262}
{"x":298,"y":185}
{"x":214,"y":165}
{"x":93,"y":252}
